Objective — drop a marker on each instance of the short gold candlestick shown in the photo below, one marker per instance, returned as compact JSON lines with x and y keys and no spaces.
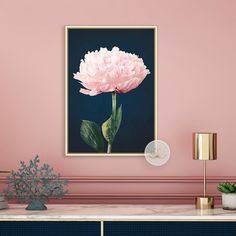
{"x":204,"y":148}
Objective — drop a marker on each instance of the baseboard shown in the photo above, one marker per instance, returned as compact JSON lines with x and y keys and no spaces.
{"x":148,"y":198}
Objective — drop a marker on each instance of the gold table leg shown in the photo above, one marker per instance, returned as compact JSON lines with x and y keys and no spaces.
{"x":101,"y":228}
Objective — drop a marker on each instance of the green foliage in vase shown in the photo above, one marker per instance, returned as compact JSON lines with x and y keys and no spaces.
{"x":227,"y":187}
{"x":32,"y":183}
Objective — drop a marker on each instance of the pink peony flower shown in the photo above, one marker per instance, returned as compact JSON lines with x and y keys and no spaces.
{"x":107,"y":71}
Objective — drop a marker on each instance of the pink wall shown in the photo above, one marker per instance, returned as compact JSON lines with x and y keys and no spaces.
{"x":196,"y":86}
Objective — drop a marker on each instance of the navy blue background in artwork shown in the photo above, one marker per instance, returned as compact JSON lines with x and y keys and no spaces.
{"x":137,"y":126}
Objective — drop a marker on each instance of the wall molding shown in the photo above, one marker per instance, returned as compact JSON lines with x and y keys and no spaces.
{"x":133,"y":197}
{"x":147,"y":179}
{"x":139,"y":198}
{"x":125,"y":196}
{"x":142,"y":179}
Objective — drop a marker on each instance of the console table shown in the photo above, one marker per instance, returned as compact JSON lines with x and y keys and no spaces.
{"x":117,"y":220}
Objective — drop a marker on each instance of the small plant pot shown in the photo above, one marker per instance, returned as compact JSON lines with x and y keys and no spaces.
{"x":36,"y":206}
{"x":229,"y":201}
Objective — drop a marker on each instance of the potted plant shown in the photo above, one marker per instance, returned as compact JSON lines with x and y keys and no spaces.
{"x":228,"y":191}
{"x":34,"y":184}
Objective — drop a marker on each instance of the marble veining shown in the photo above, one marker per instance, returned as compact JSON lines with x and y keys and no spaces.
{"x":104,"y":212}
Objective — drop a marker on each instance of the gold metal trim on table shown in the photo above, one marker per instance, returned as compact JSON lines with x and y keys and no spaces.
{"x":66,"y":84}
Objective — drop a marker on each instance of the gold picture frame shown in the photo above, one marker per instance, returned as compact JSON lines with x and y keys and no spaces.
{"x":67,"y":28}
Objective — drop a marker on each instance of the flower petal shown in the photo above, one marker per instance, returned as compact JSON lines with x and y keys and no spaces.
{"x":89,"y":92}
{"x":106,"y":71}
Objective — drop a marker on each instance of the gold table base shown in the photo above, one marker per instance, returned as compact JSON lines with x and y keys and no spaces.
{"x":204,"y":202}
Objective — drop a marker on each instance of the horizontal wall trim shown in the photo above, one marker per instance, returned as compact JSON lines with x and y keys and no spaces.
{"x":135,"y":197}
{"x":142,"y":179}
{"x":148,"y":198}
{"x":145,"y":196}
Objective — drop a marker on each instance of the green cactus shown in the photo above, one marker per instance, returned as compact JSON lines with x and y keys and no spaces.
{"x":227,"y":187}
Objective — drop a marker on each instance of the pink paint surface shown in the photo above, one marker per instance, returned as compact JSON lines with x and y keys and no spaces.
{"x":196,"y":83}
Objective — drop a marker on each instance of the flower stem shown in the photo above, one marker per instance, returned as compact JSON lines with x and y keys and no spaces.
{"x":114,"y":104}
{"x":109,"y":147}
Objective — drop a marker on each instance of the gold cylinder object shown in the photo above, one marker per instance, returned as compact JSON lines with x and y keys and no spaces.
{"x":204,"y":203}
{"x":204,"y":146}
{"x":204,"y":149}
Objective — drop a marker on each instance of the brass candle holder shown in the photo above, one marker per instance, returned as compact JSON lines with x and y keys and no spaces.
{"x":204,"y":149}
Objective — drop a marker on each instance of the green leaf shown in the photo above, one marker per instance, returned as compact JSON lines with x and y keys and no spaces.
{"x":227,"y":185}
{"x":223,"y":189}
{"x":111,"y":126}
{"x":231,"y":189}
{"x":91,"y":134}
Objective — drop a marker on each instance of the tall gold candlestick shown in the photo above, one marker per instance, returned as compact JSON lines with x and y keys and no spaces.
{"x":204,"y":148}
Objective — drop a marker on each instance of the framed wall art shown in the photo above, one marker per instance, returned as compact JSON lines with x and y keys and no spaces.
{"x":110,"y":90}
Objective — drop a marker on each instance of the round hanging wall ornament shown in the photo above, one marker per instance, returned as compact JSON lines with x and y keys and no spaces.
{"x":157,"y":153}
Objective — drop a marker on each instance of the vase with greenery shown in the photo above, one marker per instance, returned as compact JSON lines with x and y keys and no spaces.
{"x":228,"y":191}
{"x":34,"y":184}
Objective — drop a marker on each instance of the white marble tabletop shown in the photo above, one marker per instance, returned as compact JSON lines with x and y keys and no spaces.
{"x":116,"y":213}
